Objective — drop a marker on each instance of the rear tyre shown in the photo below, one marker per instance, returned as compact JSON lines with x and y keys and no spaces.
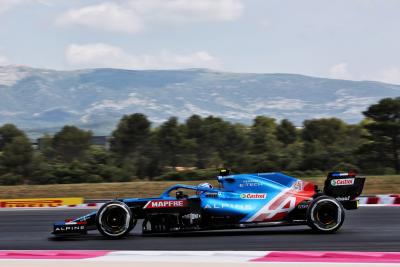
{"x":325,"y":214}
{"x":115,"y":220}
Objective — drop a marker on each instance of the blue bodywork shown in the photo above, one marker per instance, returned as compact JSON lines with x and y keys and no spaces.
{"x":239,"y":196}
{"x":242,"y":200}
{"x":229,"y":198}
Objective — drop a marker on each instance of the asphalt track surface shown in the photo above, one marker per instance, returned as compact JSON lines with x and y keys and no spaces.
{"x":366,"y":229}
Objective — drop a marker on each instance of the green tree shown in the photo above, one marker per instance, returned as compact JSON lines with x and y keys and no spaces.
{"x":17,"y":157}
{"x":263,"y":135}
{"x":135,"y":147}
{"x":384,"y":130}
{"x":291,"y":157}
{"x":171,"y":141}
{"x":329,"y":142}
{"x":200,"y":131}
{"x":194,"y":126}
{"x":100,"y":165}
{"x":212,"y":142}
{"x":215,"y":142}
{"x":45,"y":145}
{"x":286,"y":132}
{"x":7,"y":133}
{"x":71,"y":143}
{"x":236,"y":144}
{"x":131,"y":135}
{"x":265,"y":146}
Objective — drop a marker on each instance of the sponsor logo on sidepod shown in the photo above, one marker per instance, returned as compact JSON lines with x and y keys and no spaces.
{"x":249,"y":183}
{"x":340,"y":182}
{"x":253,"y":195}
{"x":298,"y":186}
{"x":160,"y":204}
{"x":343,"y":198}
{"x":228,"y":205}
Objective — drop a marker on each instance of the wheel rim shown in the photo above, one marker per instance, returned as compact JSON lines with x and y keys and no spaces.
{"x":115,"y":220}
{"x":326,"y":215}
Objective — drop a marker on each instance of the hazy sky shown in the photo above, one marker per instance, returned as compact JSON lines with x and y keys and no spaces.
{"x":350,"y":39}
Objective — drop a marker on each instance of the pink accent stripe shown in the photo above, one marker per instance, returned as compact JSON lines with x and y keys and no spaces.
{"x":326,"y":256}
{"x":52,"y":254}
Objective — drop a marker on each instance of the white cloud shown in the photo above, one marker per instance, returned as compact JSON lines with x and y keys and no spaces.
{"x":340,"y":71}
{"x":132,"y":16}
{"x":188,"y":10}
{"x":6,"y":5}
{"x":107,"y":16}
{"x":94,"y":54}
{"x":389,"y":75}
{"x":105,"y":55}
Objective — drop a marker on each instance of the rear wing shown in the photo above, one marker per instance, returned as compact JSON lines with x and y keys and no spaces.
{"x":344,"y":186}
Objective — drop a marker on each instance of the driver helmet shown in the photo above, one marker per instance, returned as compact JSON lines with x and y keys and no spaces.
{"x":203,"y":185}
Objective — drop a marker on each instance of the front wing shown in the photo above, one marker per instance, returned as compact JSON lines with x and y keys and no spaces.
{"x":77,"y":226}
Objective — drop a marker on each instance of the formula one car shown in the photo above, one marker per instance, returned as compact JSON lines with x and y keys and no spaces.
{"x":242,"y":200}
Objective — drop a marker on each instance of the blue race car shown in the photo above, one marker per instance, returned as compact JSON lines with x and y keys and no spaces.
{"x":242,"y":200}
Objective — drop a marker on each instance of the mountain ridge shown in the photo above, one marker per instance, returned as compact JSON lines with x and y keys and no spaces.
{"x":39,"y":99}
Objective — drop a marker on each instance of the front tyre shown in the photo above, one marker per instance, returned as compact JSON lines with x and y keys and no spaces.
{"x":325,"y":214}
{"x":114,"y":220}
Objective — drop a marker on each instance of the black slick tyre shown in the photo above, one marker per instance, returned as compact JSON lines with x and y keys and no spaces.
{"x":114,"y":220}
{"x":325,"y":214}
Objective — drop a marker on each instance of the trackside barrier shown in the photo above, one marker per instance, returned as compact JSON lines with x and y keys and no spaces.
{"x":40,"y":202}
{"x":380,"y":200}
